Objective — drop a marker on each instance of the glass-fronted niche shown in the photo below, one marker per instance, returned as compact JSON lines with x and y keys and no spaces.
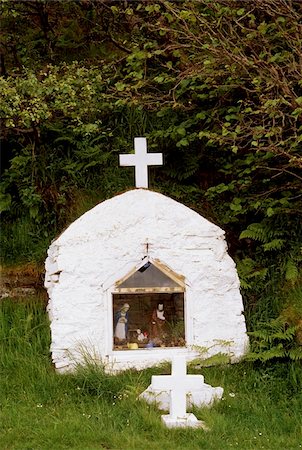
{"x":148,"y":320}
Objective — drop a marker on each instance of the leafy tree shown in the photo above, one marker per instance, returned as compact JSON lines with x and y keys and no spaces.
{"x":215,"y":85}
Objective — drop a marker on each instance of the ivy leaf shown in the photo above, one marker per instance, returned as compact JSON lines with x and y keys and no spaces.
{"x":120,"y":86}
{"x":182,"y":143}
{"x":270,"y":212}
{"x":181,"y":131}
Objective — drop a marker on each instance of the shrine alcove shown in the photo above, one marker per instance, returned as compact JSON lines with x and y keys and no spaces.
{"x":143,"y":289}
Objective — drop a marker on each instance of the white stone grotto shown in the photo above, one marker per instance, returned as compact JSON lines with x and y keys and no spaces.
{"x":91,"y":261}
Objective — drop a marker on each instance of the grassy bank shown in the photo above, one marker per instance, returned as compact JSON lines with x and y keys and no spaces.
{"x":261,"y":407}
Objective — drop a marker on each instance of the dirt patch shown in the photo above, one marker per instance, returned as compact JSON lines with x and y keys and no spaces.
{"x":21,"y":281}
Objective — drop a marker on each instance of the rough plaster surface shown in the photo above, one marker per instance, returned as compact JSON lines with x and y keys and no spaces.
{"x":105,"y":244}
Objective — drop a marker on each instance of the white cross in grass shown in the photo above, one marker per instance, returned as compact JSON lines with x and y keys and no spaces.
{"x":179,"y":384}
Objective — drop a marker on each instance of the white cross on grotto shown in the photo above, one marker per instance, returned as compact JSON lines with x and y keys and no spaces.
{"x":141,"y":160}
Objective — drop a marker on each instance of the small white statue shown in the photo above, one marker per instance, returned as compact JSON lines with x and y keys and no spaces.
{"x":160,"y":312}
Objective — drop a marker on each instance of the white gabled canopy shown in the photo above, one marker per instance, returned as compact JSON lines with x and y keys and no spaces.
{"x":150,"y":276}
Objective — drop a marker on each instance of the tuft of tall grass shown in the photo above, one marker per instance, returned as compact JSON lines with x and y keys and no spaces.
{"x":23,"y":241}
{"x":24,"y":328}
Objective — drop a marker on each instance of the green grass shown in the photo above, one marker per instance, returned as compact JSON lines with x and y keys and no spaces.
{"x":91,"y":410}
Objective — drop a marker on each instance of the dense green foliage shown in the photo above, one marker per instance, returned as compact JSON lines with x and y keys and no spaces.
{"x":90,"y":409}
{"x":215,"y":86}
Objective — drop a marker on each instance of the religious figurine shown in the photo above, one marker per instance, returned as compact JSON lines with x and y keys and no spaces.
{"x":140,"y":336}
{"x":121,"y":324}
{"x":158,"y":322}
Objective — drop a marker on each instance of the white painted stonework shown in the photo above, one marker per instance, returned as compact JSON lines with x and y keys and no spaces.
{"x":107,"y":243}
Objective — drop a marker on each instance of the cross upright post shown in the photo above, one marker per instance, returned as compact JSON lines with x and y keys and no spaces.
{"x":141,"y":159}
{"x":178,"y":396}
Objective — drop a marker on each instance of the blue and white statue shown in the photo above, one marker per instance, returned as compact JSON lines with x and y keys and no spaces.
{"x":121,"y":323}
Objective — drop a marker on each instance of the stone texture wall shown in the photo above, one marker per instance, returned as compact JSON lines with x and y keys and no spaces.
{"x":106,"y":243}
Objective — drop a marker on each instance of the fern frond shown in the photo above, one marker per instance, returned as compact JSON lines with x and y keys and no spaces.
{"x":255,"y":231}
{"x":261,"y":273}
{"x":261,"y":334}
{"x":291,"y":270}
{"x":275,"y":339}
{"x":275,"y":244}
{"x":244,"y":284}
{"x":295,"y":353}
{"x":286,"y":335}
{"x":248,"y":271}
{"x":275,"y":352}
{"x":66,"y":138}
{"x":266,"y":233}
{"x":252,"y":356}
